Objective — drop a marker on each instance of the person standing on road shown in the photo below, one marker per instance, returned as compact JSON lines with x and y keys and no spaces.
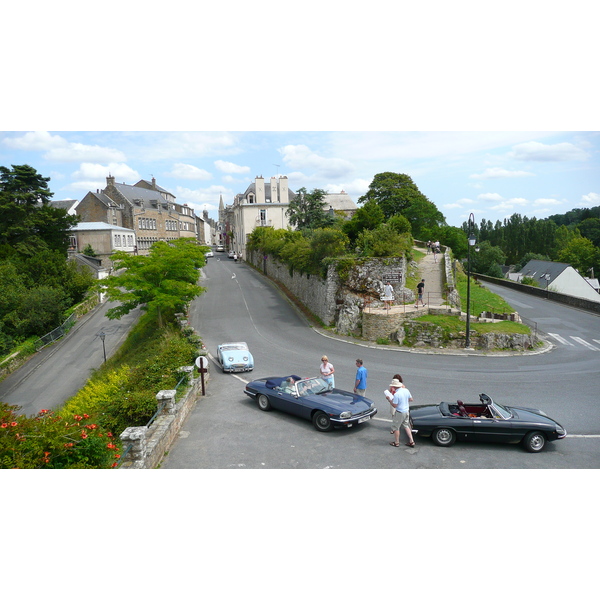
{"x":327,"y":371}
{"x":420,"y":289}
{"x":360,"y":384}
{"x":400,"y":398}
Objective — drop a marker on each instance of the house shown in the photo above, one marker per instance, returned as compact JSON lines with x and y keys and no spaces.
{"x":340,"y":203}
{"x":261,"y":205}
{"x":144,"y":207}
{"x":559,"y":277}
{"x":103,"y":239}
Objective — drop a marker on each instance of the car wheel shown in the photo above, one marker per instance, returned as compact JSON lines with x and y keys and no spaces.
{"x":263,"y":402}
{"x":443,"y":437}
{"x":322,"y":422}
{"x":534,"y":441}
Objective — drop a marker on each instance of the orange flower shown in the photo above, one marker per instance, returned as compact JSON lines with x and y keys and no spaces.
{"x":83,"y":435}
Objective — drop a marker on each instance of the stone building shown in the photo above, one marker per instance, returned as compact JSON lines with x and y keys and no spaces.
{"x":145,"y":207}
{"x":261,"y":205}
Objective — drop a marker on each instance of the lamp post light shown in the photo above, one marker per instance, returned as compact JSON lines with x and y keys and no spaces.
{"x":547,"y":278}
{"x":102,"y":335}
{"x":471,"y":225}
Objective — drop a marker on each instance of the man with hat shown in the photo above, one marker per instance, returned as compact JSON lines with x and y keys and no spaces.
{"x":399,"y":400}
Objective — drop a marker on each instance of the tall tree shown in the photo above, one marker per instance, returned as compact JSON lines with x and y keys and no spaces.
{"x":307,"y":209}
{"x":162,"y":282}
{"x":28,"y":223}
{"x":397,"y":194}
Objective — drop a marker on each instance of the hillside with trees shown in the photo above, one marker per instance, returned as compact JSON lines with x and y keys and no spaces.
{"x":37,"y":283}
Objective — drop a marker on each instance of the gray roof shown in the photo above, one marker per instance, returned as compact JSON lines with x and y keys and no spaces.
{"x":99,"y":226}
{"x":158,"y":188}
{"x":133,"y":193}
{"x":538,"y":269}
{"x":341,"y":201}
{"x":252,"y":189}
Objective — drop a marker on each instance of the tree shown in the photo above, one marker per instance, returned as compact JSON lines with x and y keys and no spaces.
{"x":384,"y":241}
{"x":368,"y":216}
{"x":581,"y":254}
{"x":28,"y":223}
{"x":307,"y":209}
{"x":487,"y":260}
{"x":162,"y":282}
{"x":397,"y":194}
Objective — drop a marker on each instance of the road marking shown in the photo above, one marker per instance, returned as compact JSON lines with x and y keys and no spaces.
{"x":560,"y":339}
{"x":584,"y":343}
{"x":582,"y":435}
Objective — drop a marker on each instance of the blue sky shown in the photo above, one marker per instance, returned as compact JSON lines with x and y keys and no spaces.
{"x":490,"y":174}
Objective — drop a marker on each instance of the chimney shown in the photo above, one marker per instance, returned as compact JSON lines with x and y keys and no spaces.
{"x":153,"y":183}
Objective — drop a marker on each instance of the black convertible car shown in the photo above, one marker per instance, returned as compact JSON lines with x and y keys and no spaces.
{"x":488,"y":421}
{"x":312,"y":399}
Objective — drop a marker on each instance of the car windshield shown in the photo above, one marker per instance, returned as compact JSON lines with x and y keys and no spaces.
{"x":231,"y":347}
{"x":503,"y":411}
{"x":314,"y":385}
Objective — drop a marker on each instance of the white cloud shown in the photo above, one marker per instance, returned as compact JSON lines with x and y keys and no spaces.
{"x":498,"y":173}
{"x":548,"y":152}
{"x":302,"y":157}
{"x":542,"y":202}
{"x":58,"y":149}
{"x":184,"y":171}
{"x":490,"y":196}
{"x":98,"y":173}
{"x":229,"y":167}
{"x":182,"y":144}
{"x":592,"y":198}
{"x":200,"y":197}
{"x":510,"y":205}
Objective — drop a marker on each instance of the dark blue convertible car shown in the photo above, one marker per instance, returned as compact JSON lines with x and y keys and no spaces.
{"x":312,"y":399}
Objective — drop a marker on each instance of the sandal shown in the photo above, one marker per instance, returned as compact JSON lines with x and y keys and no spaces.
{"x":410,"y":445}
{"x":394,"y":444}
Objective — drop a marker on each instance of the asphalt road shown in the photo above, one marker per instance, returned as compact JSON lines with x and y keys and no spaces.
{"x":227,"y":430}
{"x":60,"y":370}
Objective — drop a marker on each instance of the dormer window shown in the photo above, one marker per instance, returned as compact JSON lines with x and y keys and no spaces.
{"x":251,"y":199}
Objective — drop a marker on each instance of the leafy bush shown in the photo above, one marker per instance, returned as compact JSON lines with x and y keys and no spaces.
{"x":51,"y":441}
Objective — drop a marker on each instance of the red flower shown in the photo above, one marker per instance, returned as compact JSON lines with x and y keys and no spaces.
{"x":14,"y":424}
{"x":114,"y":465}
{"x":86,"y":416}
{"x":117,"y":456}
{"x":83,"y":435}
{"x":109,"y":434}
{"x":4,"y":425}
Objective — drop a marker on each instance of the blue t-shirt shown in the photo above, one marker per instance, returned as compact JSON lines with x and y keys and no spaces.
{"x":361,"y":377}
{"x":401,"y":399}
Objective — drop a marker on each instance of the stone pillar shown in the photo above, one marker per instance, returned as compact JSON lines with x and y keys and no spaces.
{"x":167,"y":399}
{"x":136,"y":436}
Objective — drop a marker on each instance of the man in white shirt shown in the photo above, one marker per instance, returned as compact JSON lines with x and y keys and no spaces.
{"x":400,"y":399}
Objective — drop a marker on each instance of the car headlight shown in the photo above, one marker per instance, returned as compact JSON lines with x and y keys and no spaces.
{"x":245,"y":359}
{"x":560,"y":430}
{"x":346,"y":414}
{"x":230,"y":359}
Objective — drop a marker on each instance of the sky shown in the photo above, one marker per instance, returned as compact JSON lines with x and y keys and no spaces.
{"x":489,"y":174}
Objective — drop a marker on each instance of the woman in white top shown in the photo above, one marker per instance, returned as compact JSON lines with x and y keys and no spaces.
{"x":327,"y":371}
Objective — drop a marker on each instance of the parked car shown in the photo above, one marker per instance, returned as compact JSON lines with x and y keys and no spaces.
{"x":311,"y":399}
{"x":220,"y":249}
{"x":231,"y":253}
{"x":209,"y":254}
{"x":235,"y":357}
{"x":488,"y":421}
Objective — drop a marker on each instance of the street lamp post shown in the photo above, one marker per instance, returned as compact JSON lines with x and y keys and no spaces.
{"x":471,"y":225}
{"x":102,"y":335}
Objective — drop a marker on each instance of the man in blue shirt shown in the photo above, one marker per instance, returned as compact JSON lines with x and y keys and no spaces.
{"x":360,"y":385}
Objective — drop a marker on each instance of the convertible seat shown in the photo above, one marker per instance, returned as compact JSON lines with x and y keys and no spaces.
{"x":461,"y":409}
{"x":274,"y":382}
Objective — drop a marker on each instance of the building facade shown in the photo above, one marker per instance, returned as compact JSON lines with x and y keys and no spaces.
{"x":263,"y":204}
{"x":146,"y":208}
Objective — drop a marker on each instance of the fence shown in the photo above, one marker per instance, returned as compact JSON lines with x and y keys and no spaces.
{"x":56,"y":334}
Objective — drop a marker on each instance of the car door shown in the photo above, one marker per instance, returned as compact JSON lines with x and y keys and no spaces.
{"x":493,"y":429}
{"x":463,"y":426}
{"x":289,"y":403}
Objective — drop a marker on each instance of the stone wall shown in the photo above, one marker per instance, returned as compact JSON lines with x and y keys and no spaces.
{"x":339,"y":300}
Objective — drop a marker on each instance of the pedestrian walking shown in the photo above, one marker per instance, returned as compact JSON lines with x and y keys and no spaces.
{"x":420,"y":290}
{"x":401,"y":397}
{"x":327,"y":371}
{"x":388,"y":294}
{"x":360,"y":383}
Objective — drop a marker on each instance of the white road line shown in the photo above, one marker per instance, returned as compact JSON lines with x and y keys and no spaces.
{"x":597,"y":341}
{"x":569,"y":435}
{"x":584,"y":343}
{"x":560,"y":339}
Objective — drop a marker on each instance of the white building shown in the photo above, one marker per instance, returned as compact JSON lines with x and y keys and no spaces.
{"x":559,"y":277}
{"x":261,"y":205}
